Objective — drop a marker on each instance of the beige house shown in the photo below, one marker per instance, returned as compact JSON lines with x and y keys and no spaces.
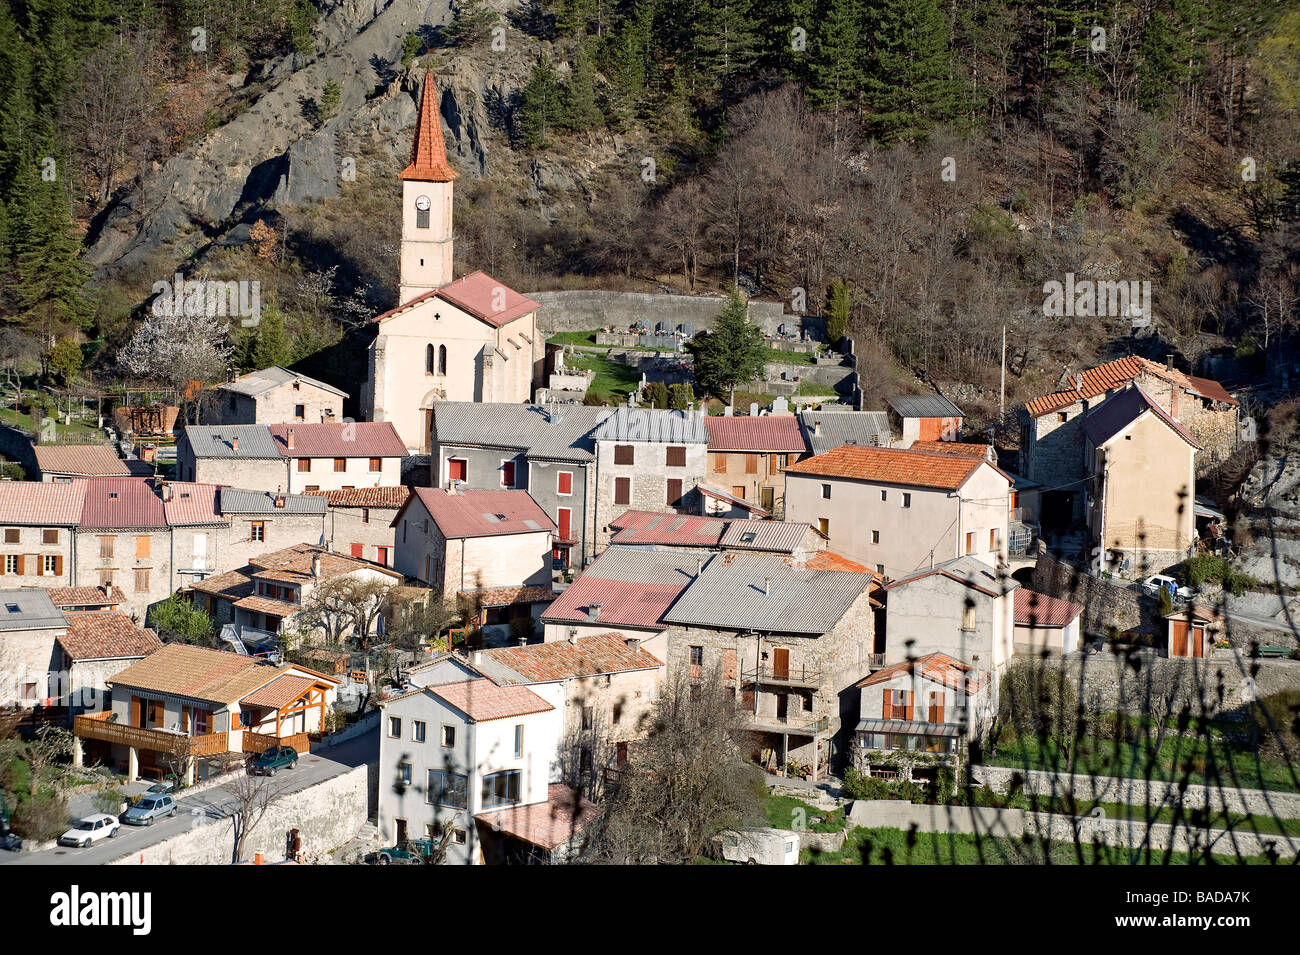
{"x":468,"y":540}
{"x":1139,"y":499}
{"x":748,"y":456}
{"x":468,"y":339}
{"x":275,"y":395}
{"x":898,"y":511}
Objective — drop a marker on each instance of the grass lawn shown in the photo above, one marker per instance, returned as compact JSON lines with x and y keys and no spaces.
{"x":811,"y":389}
{"x":789,"y":357}
{"x":613,"y":379}
{"x":18,"y":419}
{"x":573,"y":338}
{"x":896,"y":847}
{"x":1180,"y":757}
{"x":1262,"y":825}
{"x":781,"y":812}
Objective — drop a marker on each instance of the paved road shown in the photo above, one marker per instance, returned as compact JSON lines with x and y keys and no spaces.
{"x":213,"y":803}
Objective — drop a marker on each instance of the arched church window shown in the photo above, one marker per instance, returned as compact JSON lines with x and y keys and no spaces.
{"x":428,"y":359}
{"x":442,"y":359}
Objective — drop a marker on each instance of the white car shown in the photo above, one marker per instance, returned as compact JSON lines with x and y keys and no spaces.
{"x":1157,"y":582}
{"x":90,"y":829}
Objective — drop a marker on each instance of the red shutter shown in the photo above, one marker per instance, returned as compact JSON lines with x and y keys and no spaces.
{"x":381,"y":556}
{"x":358,"y":550}
{"x":622,"y":490}
{"x":564,"y":482}
{"x":58,"y":565}
{"x":455,"y":470}
{"x":674,"y":492}
{"x":563,"y":520}
{"x":508,"y":474}
{"x":885,"y":711}
{"x":907,"y":709}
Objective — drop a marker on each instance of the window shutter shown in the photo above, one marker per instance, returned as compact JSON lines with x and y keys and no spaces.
{"x":907,"y":710}
{"x":58,"y":565}
{"x":21,"y":565}
{"x":885,"y":712}
{"x":40,"y":566}
{"x":3,"y":562}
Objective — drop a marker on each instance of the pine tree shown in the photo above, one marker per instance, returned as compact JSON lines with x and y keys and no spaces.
{"x":539,"y":105}
{"x":786,"y":36}
{"x":839,"y":305}
{"x":911,"y":74}
{"x":270,"y":347}
{"x":471,"y":22}
{"x":49,"y":277}
{"x":724,"y":42}
{"x":581,"y":110}
{"x":628,"y":58}
{"x":834,"y":73}
{"x":732,"y":352}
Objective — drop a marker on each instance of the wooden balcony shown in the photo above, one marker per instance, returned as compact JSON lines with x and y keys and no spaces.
{"x":97,"y":726}
{"x":792,"y":725}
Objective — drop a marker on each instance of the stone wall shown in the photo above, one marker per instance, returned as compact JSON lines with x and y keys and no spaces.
{"x":326,"y":816}
{"x":1106,"y":604}
{"x":572,"y":311}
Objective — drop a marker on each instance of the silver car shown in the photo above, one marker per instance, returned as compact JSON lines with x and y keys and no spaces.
{"x":149,"y":808}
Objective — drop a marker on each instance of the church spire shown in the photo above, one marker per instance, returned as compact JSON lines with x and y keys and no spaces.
{"x":428,"y":151}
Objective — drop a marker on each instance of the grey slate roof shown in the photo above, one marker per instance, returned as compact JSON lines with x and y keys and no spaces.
{"x":653,"y":425}
{"x":844,"y":427}
{"x":644,"y":566}
{"x":562,"y":433}
{"x":234,"y":500}
{"x":925,"y":406}
{"x":259,"y":382}
{"x":216,"y":441}
{"x":29,"y":609}
{"x":731,"y":597}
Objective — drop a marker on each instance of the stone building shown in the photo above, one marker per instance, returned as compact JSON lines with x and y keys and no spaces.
{"x":466,"y":339}
{"x":241,"y":455}
{"x":791,"y":642}
{"x":276,"y":395}
{"x":359,"y":521}
{"x":37,"y":522}
{"x":1052,"y":438}
{"x":648,"y":460}
{"x":261,"y":522}
{"x":924,"y":418}
{"x":748,"y":456}
{"x":546,"y":450}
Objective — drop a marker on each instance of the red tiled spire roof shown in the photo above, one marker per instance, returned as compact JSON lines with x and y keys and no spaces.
{"x":428,"y":151}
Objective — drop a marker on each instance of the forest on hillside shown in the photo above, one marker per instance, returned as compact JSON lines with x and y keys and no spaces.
{"x":933,"y":163}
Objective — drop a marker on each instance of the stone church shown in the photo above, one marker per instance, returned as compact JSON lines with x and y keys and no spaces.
{"x":466,"y":339}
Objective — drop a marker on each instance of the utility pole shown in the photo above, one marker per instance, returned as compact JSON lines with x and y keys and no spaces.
{"x":1002,"y":391}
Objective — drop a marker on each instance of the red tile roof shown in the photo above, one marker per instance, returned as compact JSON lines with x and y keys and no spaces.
{"x":105,"y":636}
{"x":1041,"y":610}
{"x":482,"y":700}
{"x":891,"y":466}
{"x":380,"y":497}
{"x":548,"y":825}
{"x":1117,"y":373}
{"x":86,"y":460}
{"x":564,"y":660}
{"x":773,"y":433}
{"x":189,"y":503}
{"x":829,"y":560}
{"x":281,"y":691}
{"x":506,"y":596}
{"x":961,"y":448}
{"x":338,"y":439}
{"x":122,"y":503}
{"x":623,"y":603}
{"x":935,"y":667}
{"x":67,"y":598}
{"x":42,"y":502}
{"x":478,"y":294}
{"x":481,"y":513}
{"x":428,"y":149}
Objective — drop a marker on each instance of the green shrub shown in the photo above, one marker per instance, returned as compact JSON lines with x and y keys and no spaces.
{"x":858,"y":786}
{"x":42,"y":817}
{"x":109,"y":801}
{"x":906,"y":789}
{"x":1207,"y":568}
{"x":1277,"y":720}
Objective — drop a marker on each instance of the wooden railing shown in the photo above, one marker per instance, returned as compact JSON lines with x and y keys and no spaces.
{"x":261,"y":742}
{"x":97,"y":726}
{"x":785,"y":674}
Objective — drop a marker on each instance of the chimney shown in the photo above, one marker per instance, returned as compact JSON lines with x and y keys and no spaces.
{"x":817,"y":427}
{"x":699,"y":565}
{"x":315,"y":565}
{"x":234,"y":445}
{"x":767,"y":586}
{"x":279,"y":500}
{"x":1078,"y":382}
{"x":573,"y":635}
{"x":451,"y":486}
{"x":288,"y":440}
{"x":593,"y":612}
{"x":1169,"y":362}
{"x":166,"y":491}
{"x":257,"y":858}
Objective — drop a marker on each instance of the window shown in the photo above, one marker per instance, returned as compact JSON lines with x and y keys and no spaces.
{"x":141,"y":580}
{"x":365,"y":515}
{"x":458,"y":836}
{"x":675,"y":456}
{"x":875,"y":537}
{"x":49,"y":536}
{"x":312,"y":487}
{"x":106,"y":578}
{"x":340,"y":465}
{"x":447,"y":789}
{"x":11,"y":563}
{"x":624,"y":454}
{"x":968,"y":618}
{"x":13,"y":535}
{"x":564,"y":483}
{"x":404,"y":773}
{"x":674,"y":492}
{"x":442,"y":359}
{"x":782,"y":461}
{"x":994,"y":538}
{"x":970,"y":542}
{"x":395,"y":727}
{"x":720,"y":463}
{"x":257,"y":531}
{"x":381,"y":556}
{"x":106,"y":547}
{"x":422,"y":218}
{"x":297,"y":386}
{"x":880,"y":569}
{"x":824,"y":525}
{"x":417,"y":730}
{"x":751,"y":464}
{"x":907,"y":500}
{"x":622,"y":490}
{"x":884,"y":495}
{"x":697,"y":656}
{"x":588,"y":717}
{"x":500,"y":789}
{"x":51,"y":564}
{"x":304,"y":465}
{"x":826,"y":492}
{"x":448,"y":735}
{"x":300,"y":412}
{"x":457,"y":469}
{"x":507,"y":474}
{"x":428,"y":359}
{"x":519,"y":740}
{"x":142,"y":546}
{"x":1061,"y":416}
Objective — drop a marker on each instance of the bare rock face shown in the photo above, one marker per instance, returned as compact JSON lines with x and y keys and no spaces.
{"x":1274,"y":483}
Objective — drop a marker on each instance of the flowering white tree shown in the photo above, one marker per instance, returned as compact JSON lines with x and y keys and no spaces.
{"x":178,"y":348}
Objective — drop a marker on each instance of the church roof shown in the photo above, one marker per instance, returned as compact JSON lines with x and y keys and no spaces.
{"x":428,"y":151}
{"x":480,"y":295}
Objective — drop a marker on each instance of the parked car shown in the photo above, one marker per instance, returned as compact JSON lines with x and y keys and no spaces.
{"x":8,"y":839}
{"x":166,"y":786}
{"x":151,"y":807}
{"x":756,"y":846}
{"x":406,"y":852}
{"x":92,"y":828}
{"x":274,"y":759}
{"x":1157,"y":582}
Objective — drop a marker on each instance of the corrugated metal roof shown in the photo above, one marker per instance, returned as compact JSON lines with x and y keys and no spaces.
{"x":482,"y":513}
{"x":727,"y":497}
{"x":237,"y":501}
{"x":29,"y":609}
{"x":780,"y":536}
{"x":770,"y":433}
{"x":653,"y":425}
{"x":910,"y":728}
{"x":122,"y":503}
{"x":219,"y":441}
{"x":925,"y":406}
{"x":259,"y":382}
{"x":651,"y":527}
{"x":338,"y":439}
{"x":42,"y":502}
{"x":561,"y":433}
{"x":191,"y":504}
{"x":767,"y":595}
{"x":83,"y":460}
{"x":644,"y":566}
{"x":839,"y":427}
{"x":965,"y":570}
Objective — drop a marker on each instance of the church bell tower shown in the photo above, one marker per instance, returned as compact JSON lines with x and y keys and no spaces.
{"x":426,"y":204}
